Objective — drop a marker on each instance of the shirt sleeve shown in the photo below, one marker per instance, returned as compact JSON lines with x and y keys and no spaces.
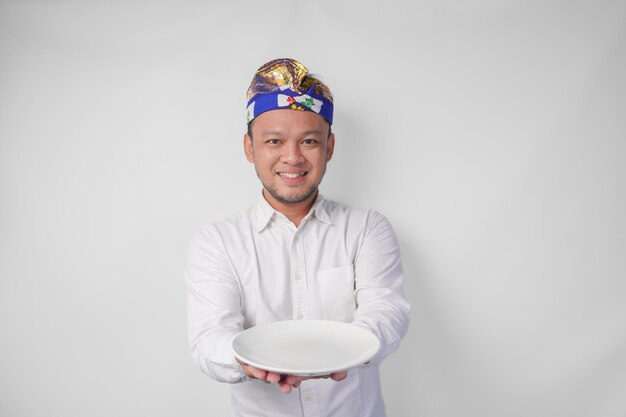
{"x":214,"y":307}
{"x":382,"y":305}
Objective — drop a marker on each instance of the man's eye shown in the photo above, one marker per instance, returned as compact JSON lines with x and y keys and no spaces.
{"x":310,"y":141}
{"x":273,"y":141}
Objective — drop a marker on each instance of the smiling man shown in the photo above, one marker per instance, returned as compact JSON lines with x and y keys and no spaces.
{"x":294,"y":255}
{"x":290,"y":151}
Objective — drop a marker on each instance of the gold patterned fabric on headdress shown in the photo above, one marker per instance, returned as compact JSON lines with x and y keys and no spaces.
{"x":285,"y":83}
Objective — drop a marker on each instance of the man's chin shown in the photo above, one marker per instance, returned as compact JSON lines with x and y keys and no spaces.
{"x":292,"y":199}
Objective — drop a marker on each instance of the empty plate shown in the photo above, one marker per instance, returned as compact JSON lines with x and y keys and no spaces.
{"x":305,"y":347}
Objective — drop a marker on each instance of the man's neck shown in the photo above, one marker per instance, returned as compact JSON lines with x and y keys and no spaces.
{"x":294,"y":212}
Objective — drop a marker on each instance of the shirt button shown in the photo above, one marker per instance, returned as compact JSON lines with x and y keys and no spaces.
{"x":308,"y":398}
{"x":300,"y":316}
{"x":297,"y":277}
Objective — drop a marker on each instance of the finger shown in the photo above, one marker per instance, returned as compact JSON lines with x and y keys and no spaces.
{"x":256,"y":372}
{"x":272,"y":377}
{"x":339,"y":376}
{"x":292,"y":379}
{"x":286,"y":388}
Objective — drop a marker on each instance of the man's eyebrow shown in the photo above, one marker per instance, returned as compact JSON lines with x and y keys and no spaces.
{"x":312,"y":132}
{"x":271,"y":133}
{"x":278,"y":132}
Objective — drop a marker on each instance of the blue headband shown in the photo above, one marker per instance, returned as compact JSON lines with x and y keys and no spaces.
{"x":285,"y":98}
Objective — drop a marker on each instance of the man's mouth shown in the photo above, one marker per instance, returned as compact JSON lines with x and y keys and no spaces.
{"x":292,"y":174}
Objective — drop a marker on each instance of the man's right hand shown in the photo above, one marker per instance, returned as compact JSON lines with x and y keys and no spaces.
{"x":285,"y":382}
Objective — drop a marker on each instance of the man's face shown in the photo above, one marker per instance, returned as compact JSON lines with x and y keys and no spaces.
{"x":290,"y":149}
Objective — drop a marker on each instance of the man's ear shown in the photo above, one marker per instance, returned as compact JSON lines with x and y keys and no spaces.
{"x":330,"y":147}
{"x":247,"y":147}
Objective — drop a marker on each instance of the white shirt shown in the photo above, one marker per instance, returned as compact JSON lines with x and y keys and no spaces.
{"x":340,"y":264}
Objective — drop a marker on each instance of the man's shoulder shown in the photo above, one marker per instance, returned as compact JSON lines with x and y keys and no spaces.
{"x":334,"y":205}
{"x":350,"y":212}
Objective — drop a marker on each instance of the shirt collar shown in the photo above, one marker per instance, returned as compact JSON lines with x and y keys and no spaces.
{"x":319,"y":210}
{"x":266,"y":213}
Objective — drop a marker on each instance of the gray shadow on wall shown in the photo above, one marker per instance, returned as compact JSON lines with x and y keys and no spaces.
{"x":400,"y":369}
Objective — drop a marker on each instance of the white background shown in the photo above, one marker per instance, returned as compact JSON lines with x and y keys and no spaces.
{"x":491,"y":133}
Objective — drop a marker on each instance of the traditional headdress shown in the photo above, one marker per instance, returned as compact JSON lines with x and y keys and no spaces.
{"x":284,"y":84}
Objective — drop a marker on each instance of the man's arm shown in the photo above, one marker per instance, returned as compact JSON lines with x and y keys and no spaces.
{"x":214,"y":307}
{"x":382,"y":305}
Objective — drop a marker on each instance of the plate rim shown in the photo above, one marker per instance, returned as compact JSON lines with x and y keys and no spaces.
{"x":309,"y":372}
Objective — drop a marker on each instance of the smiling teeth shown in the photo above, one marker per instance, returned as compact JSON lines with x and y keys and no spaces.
{"x":291,"y":175}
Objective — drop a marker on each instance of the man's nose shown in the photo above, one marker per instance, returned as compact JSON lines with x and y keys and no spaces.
{"x":292,"y":153}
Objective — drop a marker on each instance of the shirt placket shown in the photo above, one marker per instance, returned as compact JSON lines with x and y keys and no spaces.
{"x":308,"y":398}
{"x":299,"y":294}
{"x":300,"y":311}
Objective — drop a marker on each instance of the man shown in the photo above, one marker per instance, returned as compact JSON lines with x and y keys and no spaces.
{"x":294,"y":255}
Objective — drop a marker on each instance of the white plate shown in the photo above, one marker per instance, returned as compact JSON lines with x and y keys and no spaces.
{"x":305,"y":347}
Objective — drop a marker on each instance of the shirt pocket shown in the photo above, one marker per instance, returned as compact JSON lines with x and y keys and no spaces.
{"x":336,"y":293}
